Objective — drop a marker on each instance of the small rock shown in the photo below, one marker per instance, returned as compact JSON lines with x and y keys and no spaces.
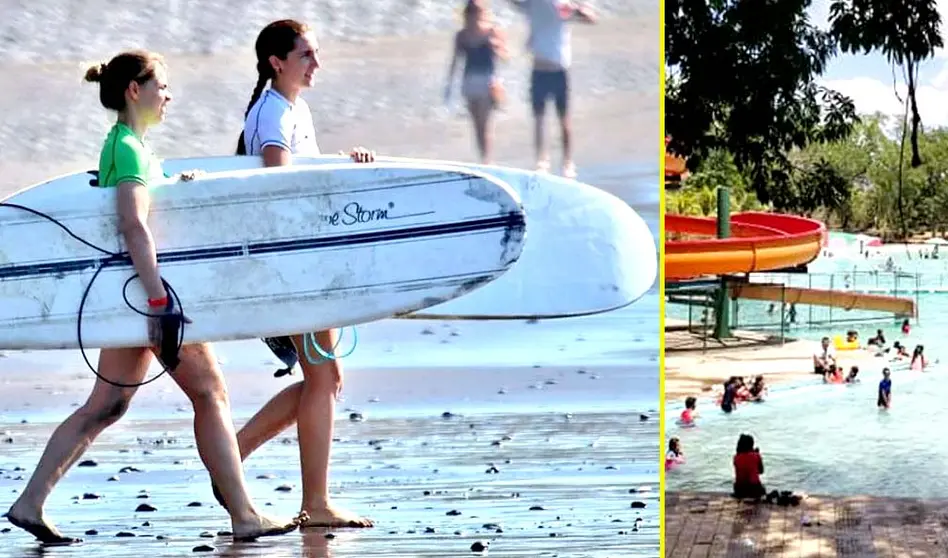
{"x":224,"y":534}
{"x":145,"y":508}
{"x":194,"y":505}
{"x":266,"y":476}
{"x":124,"y":470}
{"x":429,"y":529}
{"x":146,"y":524}
{"x":90,"y":496}
{"x":447,"y":415}
{"x":637,"y":505}
{"x":284,"y":488}
{"x":124,"y":534}
{"x":87,"y":463}
{"x":206,"y":535}
{"x":492,"y":470}
{"x":203,"y":548}
{"x":142,"y":496}
{"x":330,"y":536}
{"x":643,"y":418}
{"x":453,"y":513}
{"x":552,"y":534}
{"x":537,"y":508}
{"x":161,"y":538}
{"x":356,"y":417}
{"x":91,"y":532}
{"x":480,"y":546}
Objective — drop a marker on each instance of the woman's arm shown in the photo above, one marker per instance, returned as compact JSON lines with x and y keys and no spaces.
{"x":133,"y":205}
{"x":455,"y":54}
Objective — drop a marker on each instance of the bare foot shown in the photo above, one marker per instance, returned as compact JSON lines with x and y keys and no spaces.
{"x":569,"y":169}
{"x":264,"y":527}
{"x":36,"y":525}
{"x":330,"y":516}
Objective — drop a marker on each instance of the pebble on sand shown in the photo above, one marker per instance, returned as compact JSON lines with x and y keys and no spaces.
{"x":87,"y":463}
{"x":203,"y":548}
{"x":284,"y":488}
{"x":637,"y":505}
{"x":480,"y":546}
{"x":537,"y":508}
{"x":124,"y":534}
{"x":453,"y":513}
{"x":92,"y":532}
{"x":356,"y":417}
{"x":145,"y":508}
{"x":90,"y":496}
{"x":195,"y":505}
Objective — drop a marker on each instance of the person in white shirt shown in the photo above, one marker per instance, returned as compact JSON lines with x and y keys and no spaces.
{"x":824,"y":358}
{"x":549,"y":43}
{"x":278,"y":125}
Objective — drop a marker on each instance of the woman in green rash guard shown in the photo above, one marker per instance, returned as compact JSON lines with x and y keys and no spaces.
{"x":135,"y":85}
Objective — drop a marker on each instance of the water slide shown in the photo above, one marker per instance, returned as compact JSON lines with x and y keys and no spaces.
{"x":758,"y":242}
{"x":762,"y":242}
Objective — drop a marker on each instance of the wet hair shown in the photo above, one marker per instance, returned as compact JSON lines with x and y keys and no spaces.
{"x":472,"y":8}
{"x":276,"y":39}
{"x":674,"y":445}
{"x":691,"y":402}
{"x":115,"y":76}
{"x":745,"y":443}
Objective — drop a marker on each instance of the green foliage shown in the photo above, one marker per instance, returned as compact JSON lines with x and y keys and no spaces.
{"x":905,"y":32}
{"x":742,"y":79}
{"x":698,"y":195}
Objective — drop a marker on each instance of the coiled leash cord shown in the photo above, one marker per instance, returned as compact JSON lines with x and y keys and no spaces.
{"x":171,"y":320}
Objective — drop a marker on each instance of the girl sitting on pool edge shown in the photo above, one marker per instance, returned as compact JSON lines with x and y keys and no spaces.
{"x":748,"y":466}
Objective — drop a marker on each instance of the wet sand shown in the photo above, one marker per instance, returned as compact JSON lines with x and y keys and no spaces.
{"x":409,"y":474}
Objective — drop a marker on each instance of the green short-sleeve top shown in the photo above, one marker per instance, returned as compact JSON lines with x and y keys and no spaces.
{"x":127,"y":158}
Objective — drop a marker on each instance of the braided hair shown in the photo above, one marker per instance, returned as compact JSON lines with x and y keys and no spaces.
{"x":276,"y":39}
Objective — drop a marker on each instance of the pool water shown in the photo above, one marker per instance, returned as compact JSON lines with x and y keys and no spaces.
{"x":832,"y":439}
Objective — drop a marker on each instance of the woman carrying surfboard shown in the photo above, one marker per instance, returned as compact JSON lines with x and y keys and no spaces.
{"x":278,"y":125}
{"x":135,"y":85}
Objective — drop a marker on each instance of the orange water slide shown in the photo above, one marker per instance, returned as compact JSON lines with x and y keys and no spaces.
{"x":758,"y":242}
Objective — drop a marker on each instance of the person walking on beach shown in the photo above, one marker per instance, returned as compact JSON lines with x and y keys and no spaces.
{"x":481,"y":44}
{"x":278,"y":124}
{"x":550,"y":45}
{"x":884,"y":401}
{"x":135,"y":85}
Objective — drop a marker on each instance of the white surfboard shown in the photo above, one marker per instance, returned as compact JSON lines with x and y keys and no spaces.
{"x":255,"y":253}
{"x":588,"y":251}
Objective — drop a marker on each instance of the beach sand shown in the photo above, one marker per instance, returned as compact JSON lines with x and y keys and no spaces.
{"x":404,"y":465}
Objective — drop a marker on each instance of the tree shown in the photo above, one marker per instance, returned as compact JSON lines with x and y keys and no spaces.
{"x":741,"y":78}
{"x":906,"y":32}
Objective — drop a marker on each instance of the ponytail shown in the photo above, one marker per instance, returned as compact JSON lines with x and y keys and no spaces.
{"x":262,"y":79}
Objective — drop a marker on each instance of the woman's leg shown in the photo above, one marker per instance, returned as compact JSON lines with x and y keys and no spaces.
{"x":315,"y":416}
{"x":278,"y":414}
{"x":105,"y":405}
{"x":479,"y":108}
{"x":203,"y":383}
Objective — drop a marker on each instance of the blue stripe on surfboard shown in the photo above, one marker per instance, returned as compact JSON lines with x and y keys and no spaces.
{"x":509,"y":222}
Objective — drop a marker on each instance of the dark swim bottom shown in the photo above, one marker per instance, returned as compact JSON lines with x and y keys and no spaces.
{"x":284,"y":350}
{"x":545,"y":84}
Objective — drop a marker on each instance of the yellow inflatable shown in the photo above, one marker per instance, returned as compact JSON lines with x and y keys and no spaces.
{"x":844,"y":345}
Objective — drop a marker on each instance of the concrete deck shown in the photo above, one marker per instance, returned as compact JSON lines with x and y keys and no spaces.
{"x":716,"y":525}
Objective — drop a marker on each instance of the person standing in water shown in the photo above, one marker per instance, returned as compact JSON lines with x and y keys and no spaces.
{"x":481,"y":44}
{"x":550,"y":45}
{"x":135,"y":85}
{"x":884,"y":401}
{"x":278,"y":125}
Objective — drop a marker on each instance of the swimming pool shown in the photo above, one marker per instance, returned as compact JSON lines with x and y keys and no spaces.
{"x":824,"y":439}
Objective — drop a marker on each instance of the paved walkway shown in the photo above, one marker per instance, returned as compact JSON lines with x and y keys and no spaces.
{"x":716,"y":525}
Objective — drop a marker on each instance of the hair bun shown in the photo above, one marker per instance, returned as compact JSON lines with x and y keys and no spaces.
{"x":95,"y":73}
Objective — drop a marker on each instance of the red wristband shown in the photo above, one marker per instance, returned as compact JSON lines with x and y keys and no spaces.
{"x":158,"y":302}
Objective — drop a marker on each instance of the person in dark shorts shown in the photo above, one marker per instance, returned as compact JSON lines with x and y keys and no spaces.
{"x":728,"y":400}
{"x":550,"y":46}
{"x":824,"y":359}
{"x":885,"y":390}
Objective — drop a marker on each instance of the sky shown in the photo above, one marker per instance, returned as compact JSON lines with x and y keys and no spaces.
{"x":867,"y":80}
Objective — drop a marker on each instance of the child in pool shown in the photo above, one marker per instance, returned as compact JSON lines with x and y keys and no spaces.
{"x":748,"y":467}
{"x":919,"y":362}
{"x":690,"y":413}
{"x":851,"y":378}
{"x":675,"y":456}
{"x":729,"y":399}
{"x":758,"y":390}
{"x":906,"y":328}
{"x":884,"y":400}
